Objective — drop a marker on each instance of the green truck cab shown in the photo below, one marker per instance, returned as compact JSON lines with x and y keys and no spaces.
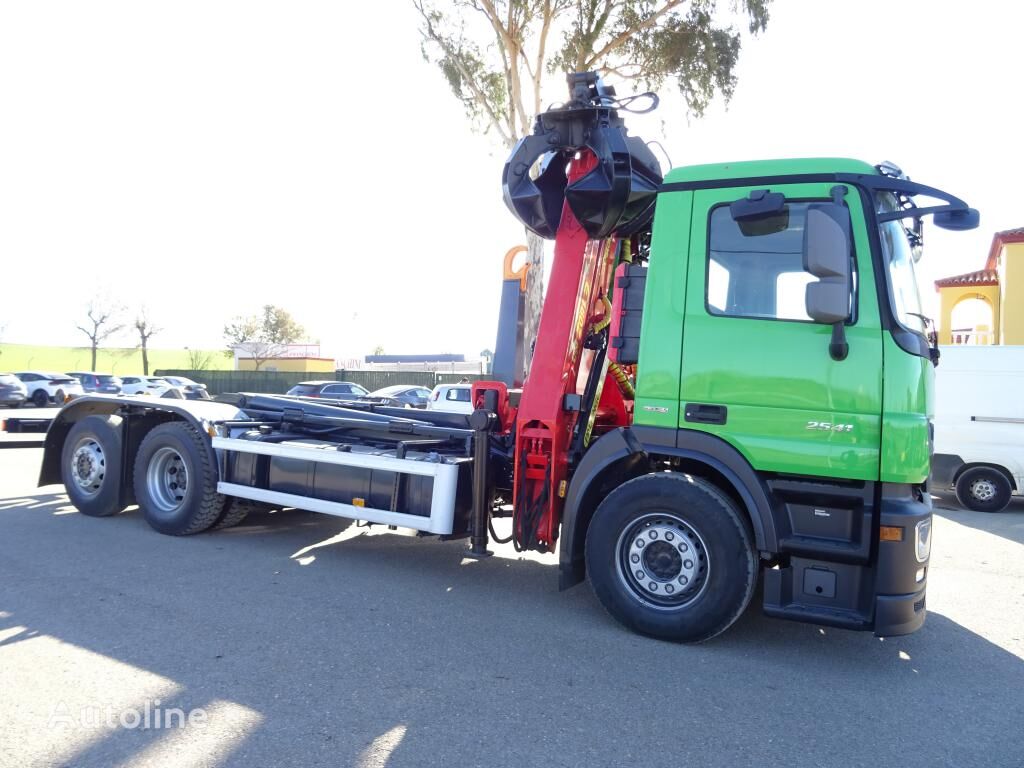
{"x":818,"y":428}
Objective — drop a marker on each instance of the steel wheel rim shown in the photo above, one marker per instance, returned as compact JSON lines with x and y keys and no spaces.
{"x":88,"y":466}
{"x":662,"y":561}
{"x":983,"y":489}
{"x":167,"y":480}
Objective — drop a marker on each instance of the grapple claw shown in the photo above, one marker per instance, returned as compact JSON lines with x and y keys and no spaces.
{"x":616,"y":196}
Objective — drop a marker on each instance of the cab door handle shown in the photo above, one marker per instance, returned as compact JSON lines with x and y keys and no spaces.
{"x":700,"y":413}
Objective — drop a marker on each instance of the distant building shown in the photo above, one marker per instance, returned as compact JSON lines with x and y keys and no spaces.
{"x":293,"y":358}
{"x":443,"y":363}
{"x":997,"y":291}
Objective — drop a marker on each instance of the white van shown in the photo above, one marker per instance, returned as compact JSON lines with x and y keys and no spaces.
{"x":979,"y":425}
{"x":454,"y":398}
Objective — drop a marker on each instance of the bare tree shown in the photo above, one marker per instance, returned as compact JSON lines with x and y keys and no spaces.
{"x":102,"y":324}
{"x":264,"y":336}
{"x":499,"y":55}
{"x":146,"y":329}
{"x":199,"y":360}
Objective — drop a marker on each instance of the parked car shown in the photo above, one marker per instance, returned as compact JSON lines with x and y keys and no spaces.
{"x":154,"y":386}
{"x":12,"y":392}
{"x":101,"y":383}
{"x":193,"y":389}
{"x":454,"y":398}
{"x":45,"y":387}
{"x":332,"y":390}
{"x":403,"y":394}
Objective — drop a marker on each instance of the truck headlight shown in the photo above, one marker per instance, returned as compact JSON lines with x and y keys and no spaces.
{"x":923,"y":538}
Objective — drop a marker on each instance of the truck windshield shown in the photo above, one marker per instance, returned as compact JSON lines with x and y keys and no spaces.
{"x":899,"y":262}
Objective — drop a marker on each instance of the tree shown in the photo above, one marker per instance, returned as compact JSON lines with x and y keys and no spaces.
{"x":263,"y":336}
{"x":102,"y":324}
{"x":378,"y":350}
{"x":198,"y":359}
{"x":498,"y":57}
{"x":145,"y":328}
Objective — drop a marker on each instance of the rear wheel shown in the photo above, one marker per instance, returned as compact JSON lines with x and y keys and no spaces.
{"x":176,"y":481}
{"x":235,"y":511}
{"x":90,"y":465}
{"x":670,"y":556}
{"x":984,"y":489}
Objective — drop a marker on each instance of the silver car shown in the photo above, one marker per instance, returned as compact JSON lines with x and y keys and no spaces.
{"x":12,"y":392}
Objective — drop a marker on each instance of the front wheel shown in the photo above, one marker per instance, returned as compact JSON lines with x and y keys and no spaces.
{"x":983,"y":489}
{"x":671,"y":556}
{"x":176,"y":480}
{"x":40,"y":399}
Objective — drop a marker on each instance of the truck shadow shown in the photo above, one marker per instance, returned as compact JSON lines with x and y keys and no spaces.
{"x":1008,"y":524}
{"x":314,"y":640}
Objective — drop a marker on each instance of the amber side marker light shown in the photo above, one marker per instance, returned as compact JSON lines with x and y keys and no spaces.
{"x":890,"y":533}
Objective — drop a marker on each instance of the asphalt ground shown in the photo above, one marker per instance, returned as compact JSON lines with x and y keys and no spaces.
{"x":298,"y":639}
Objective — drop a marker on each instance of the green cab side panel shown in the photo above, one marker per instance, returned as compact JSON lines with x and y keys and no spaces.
{"x":661,"y":334}
{"x":790,"y":407}
{"x":909,"y":395}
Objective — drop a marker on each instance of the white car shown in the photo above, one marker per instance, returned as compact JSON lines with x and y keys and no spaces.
{"x":45,"y":387}
{"x":192,"y":390}
{"x":154,"y":386}
{"x":453,"y":398}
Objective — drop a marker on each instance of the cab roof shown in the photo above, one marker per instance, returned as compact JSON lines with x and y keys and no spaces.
{"x":757,"y":168}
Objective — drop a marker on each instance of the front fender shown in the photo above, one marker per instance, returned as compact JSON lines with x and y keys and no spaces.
{"x":618,"y":447}
{"x":624,"y":453}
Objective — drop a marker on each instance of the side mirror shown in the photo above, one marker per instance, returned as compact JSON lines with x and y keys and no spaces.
{"x":957,"y":220}
{"x":826,"y":255}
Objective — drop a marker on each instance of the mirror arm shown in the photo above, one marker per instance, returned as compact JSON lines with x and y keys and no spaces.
{"x":838,"y":347}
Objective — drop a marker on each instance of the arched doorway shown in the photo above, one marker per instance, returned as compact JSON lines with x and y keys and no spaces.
{"x":972,"y":320}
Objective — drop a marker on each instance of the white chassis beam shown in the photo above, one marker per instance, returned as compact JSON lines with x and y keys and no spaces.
{"x":442,"y":503}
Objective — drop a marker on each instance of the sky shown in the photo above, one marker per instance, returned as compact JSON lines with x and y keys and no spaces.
{"x":202,"y":159}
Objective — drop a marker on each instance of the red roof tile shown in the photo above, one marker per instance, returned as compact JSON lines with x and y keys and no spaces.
{"x":999,"y":239}
{"x":981,"y":277}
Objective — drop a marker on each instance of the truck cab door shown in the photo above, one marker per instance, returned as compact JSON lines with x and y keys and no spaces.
{"x":756,"y":370}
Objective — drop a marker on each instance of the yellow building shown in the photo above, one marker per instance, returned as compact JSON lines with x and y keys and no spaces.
{"x":997,"y":291}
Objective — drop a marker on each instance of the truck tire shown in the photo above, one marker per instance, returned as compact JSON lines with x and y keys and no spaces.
{"x":984,"y":489}
{"x":670,"y":556}
{"x":176,"y":481}
{"x":90,"y":465}
{"x":235,"y":511}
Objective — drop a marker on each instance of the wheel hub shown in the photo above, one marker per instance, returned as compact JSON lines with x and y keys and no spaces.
{"x":167,"y":480}
{"x":88,"y":466}
{"x":983,"y":490}
{"x":663,"y":560}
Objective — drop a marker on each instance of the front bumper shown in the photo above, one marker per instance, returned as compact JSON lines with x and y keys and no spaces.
{"x":899,"y":614}
{"x":899,"y":594}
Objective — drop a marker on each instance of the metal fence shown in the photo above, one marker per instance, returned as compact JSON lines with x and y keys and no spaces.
{"x":279,"y":382}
